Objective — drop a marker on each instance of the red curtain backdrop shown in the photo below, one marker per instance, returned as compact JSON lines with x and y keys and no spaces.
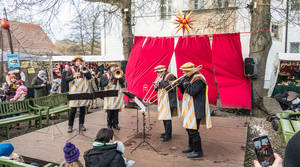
{"x":234,"y":88}
{"x":198,"y":51}
{"x":156,"y":51}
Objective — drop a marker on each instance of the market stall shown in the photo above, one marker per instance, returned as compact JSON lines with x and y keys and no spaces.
{"x":286,"y":76}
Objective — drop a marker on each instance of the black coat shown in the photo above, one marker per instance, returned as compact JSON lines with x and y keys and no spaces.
{"x":65,"y":81}
{"x":197,"y":90}
{"x":104,"y":156}
{"x":39,"y":91}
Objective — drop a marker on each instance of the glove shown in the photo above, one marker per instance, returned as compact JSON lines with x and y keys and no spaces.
{"x":185,"y":81}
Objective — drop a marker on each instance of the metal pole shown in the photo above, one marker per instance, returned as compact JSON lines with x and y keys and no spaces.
{"x":2,"y":60}
{"x":286,"y":25}
{"x":9,"y":35}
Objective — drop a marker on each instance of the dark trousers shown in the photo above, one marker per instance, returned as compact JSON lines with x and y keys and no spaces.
{"x":194,"y":138}
{"x":168,"y":128}
{"x":73,"y":113}
{"x":112,"y":117}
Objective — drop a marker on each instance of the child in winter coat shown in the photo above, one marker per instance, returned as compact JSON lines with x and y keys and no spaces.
{"x":105,"y":153}
{"x":21,"y":92}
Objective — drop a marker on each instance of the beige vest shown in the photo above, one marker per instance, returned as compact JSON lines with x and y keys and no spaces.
{"x":164,"y":111}
{"x":114,"y":103}
{"x":80,"y":85}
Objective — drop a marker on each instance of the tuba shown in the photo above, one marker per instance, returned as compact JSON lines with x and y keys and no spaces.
{"x":118,"y":74}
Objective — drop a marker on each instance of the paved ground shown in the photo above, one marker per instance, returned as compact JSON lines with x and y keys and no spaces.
{"x":223,"y":145}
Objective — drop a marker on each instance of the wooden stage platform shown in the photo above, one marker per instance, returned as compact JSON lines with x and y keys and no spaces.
{"x":223,"y":145}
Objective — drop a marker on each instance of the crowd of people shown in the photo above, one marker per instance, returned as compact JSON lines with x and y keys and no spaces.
{"x":15,"y":90}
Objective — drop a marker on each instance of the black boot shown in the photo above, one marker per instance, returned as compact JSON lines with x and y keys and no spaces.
{"x":194,"y":154}
{"x":162,"y":135}
{"x":116,"y":127}
{"x":70,"y":129}
{"x":187,"y":149}
{"x":82,"y":128}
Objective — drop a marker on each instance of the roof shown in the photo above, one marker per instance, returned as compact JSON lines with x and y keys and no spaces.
{"x":30,"y":39}
{"x":289,"y":56}
{"x":93,"y":58}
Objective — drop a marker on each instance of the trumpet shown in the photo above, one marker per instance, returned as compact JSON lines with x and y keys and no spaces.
{"x":118,"y":73}
{"x":172,"y":85}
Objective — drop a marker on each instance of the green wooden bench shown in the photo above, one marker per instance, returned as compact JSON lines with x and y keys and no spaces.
{"x":26,"y":112}
{"x":53,"y":104}
{"x":287,"y":127}
{"x":12,"y":163}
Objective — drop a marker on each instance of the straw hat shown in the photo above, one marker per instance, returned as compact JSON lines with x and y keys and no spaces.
{"x":160,"y":68}
{"x":187,"y":66}
{"x":112,"y":64}
{"x":77,"y":57}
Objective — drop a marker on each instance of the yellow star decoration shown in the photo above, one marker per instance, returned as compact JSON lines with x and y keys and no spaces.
{"x":184,"y":22}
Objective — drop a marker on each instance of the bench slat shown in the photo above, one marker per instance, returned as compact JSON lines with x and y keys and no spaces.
{"x":286,"y":125}
{"x":296,"y":125}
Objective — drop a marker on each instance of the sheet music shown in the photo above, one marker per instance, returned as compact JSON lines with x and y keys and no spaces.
{"x":140,"y":104}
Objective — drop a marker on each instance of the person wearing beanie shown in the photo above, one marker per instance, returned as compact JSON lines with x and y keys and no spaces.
{"x":71,"y":154}
{"x":40,"y":84}
{"x":6,"y":149}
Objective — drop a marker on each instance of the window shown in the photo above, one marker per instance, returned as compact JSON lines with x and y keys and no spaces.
{"x":222,"y":3}
{"x":275,"y":31}
{"x":199,"y":4}
{"x":295,"y":47}
{"x":295,"y":5}
{"x":165,"y":9}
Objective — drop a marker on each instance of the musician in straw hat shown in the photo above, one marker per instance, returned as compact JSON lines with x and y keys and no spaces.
{"x":167,"y":101}
{"x":195,"y":108}
{"x":113,"y":105}
{"x":78,"y":83}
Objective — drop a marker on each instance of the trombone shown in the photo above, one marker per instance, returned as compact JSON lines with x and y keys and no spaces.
{"x":171,"y":86}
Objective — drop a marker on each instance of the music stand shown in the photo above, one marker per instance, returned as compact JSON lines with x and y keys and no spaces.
{"x":133,"y":105}
{"x":139,"y":102}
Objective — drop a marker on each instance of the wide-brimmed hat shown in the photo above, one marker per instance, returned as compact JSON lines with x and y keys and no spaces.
{"x":160,"y":68}
{"x":77,"y":57}
{"x":187,"y":66}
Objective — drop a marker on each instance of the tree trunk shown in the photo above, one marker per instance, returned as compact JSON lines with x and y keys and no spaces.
{"x":126,"y":23}
{"x":260,"y":44}
{"x":126,"y":28}
{"x":93,"y":38}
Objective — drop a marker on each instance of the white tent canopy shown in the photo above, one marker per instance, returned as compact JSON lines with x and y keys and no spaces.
{"x":276,"y":67}
{"x":93,"y":58}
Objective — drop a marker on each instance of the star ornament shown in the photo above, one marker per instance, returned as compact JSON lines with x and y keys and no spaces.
{"x":184,"y":22}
